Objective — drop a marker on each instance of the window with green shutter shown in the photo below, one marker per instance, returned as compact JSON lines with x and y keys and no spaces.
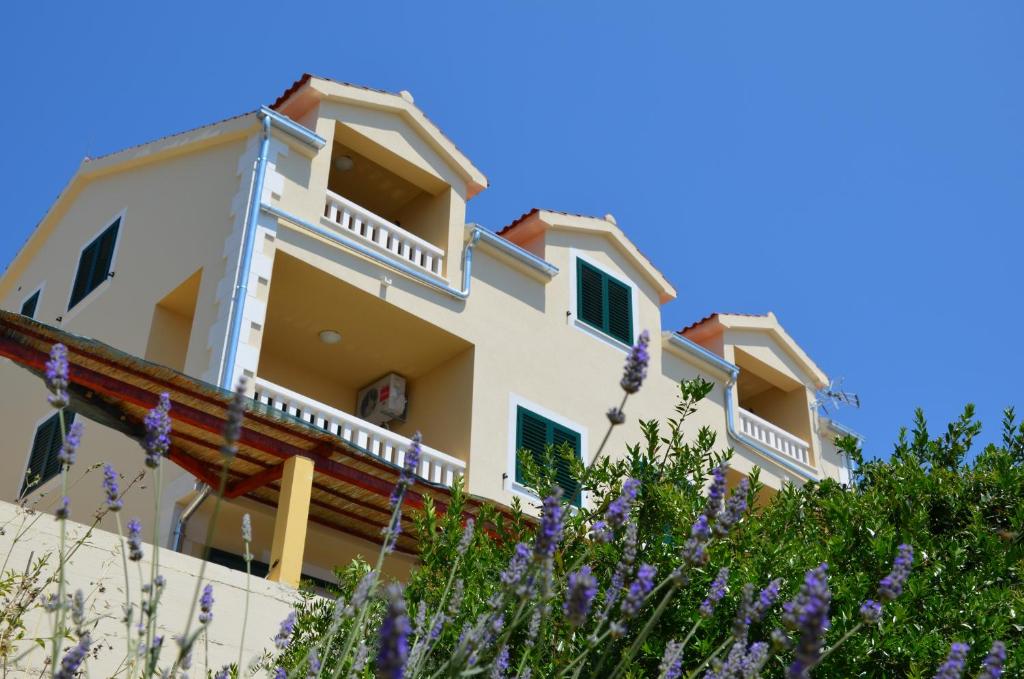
{"x":28,"y":307}
{"x":94,"y":264}
{"x":604,"y":302}
{"x":534,"y":433}
{"x":44,"y":461}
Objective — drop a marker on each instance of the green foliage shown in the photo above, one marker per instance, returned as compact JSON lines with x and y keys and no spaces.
{"x":962,"y":514}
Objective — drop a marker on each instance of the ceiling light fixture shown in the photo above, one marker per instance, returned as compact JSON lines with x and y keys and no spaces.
{"x":344,"y":163}
{"x":330,"y":336}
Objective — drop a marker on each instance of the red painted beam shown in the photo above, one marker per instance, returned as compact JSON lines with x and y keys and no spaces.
{"x":258,"y":480}
{"x":343,"y":529}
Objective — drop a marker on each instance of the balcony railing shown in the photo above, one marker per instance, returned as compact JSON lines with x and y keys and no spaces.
{"x":381,"y":234}
{"x":434,"y":465}
{"x":773,"y":436}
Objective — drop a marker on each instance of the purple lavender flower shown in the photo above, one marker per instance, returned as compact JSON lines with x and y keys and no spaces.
{"x":601,"y":532}
{"x":636,"y":365}
{"x":582,"y":590}
{"x":280,"y":673}
{"x":71,"y":442}
{"x":891,"y":586}
{"x":715,"y":594}
{"x":111,"y":488}
{"x":57,"y":376}
{"x":870,"y":612}
{"x":78,"y":610}
{"x":393,"y":648}
{"x":616,"y":416}
{"x":766,"y":599}
{"x":618,"y":511}
{"x":671,"y":666}
{"x":994,"y":661}
{"x":223,"y":673}
{"x":734,"y":508}
{"x":716,"y":493}
{"x":808,"y":615}
{"x":513,"y":575}
{"x":953,"y":668}
{"x":551,"y":522}
{"x":467,"y":537}
{"x":693,"y":548}
{"x":135,"y":540}
{"x":72,"y":661}
{"x":410,"y":466}
{"x":206,"y":605}
{"x":638,"y":590}
{"x":313,"y":664}
{"x":284,"y":635}
{"x":233,"y":421}
{"x":500,"y":663}
{"x":157,"y":439}
{"x":63,"y":510}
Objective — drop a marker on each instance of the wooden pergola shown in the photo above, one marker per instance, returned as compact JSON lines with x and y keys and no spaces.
{"x":307,"y":474}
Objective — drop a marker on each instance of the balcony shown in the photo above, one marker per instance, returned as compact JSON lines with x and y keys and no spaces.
{"x":373,"y":230}
{"x":434,"y":465}
{"x":773,"y":437}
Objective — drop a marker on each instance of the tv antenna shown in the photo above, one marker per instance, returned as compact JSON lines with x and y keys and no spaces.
{"x":835,"y":397}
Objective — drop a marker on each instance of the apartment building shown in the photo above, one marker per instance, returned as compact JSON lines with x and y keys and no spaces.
{"x":319,"y":247}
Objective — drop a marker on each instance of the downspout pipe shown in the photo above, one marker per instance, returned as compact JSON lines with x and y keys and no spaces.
{"x":179,"y":526}
{"x":733,"y":372}
{"x":237,"y":307}
{"x":245,"y":264}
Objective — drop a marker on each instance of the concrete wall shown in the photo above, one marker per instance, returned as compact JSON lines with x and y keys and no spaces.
{"x":96,"y":569}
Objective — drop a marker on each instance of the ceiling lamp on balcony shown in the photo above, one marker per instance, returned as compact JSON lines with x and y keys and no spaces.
{"x":330,"y":336}
{"x":344,"y":163}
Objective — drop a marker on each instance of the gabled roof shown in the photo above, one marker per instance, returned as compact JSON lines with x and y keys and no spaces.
{"x":400,"y":103}
{"x":717,"y":322}
{"x":537,"y":220}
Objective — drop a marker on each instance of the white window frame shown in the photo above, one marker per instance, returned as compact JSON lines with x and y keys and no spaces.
{"x":29,"y":296}
{"x":95,"y":292}
{"x":510,"y":484}
{"x":574,"y":302}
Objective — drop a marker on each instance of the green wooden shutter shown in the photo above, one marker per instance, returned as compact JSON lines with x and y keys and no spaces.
{"x":604,"y":302}
{"x":590,"y":298}
{"x":83,"y":276}
{"x":94,"y":264}
{"x":105,"y":256}
{"x":533,"y":435}
{"x":44,"y":461}
{"x":569,"y":485}
{"x":620,"y":311}
{"x":30,"y":304}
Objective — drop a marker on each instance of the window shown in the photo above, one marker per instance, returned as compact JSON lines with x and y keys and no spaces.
{"x":28,"y":307}
{"x":44,"y":461}
{"x":94,"y":264}
{"x":604,"y":302}
{"x":534,"y":433}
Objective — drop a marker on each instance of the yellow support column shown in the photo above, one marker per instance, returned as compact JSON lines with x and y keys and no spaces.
{"x":290,"y":523}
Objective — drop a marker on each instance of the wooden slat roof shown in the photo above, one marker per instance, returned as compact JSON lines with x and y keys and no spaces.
{"x":351,"y":486}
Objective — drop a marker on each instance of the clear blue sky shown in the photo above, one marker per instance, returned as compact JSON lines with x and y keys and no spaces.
{"x":857,"y":168}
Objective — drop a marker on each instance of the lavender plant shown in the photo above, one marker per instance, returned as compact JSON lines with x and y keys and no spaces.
{"x":635,"y":583}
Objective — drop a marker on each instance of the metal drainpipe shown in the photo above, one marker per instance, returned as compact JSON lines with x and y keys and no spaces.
{"x":237,"y":308}
{"x":186,"y":514}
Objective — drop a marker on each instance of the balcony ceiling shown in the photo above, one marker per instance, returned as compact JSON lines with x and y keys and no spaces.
{"x":376,"y":337}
